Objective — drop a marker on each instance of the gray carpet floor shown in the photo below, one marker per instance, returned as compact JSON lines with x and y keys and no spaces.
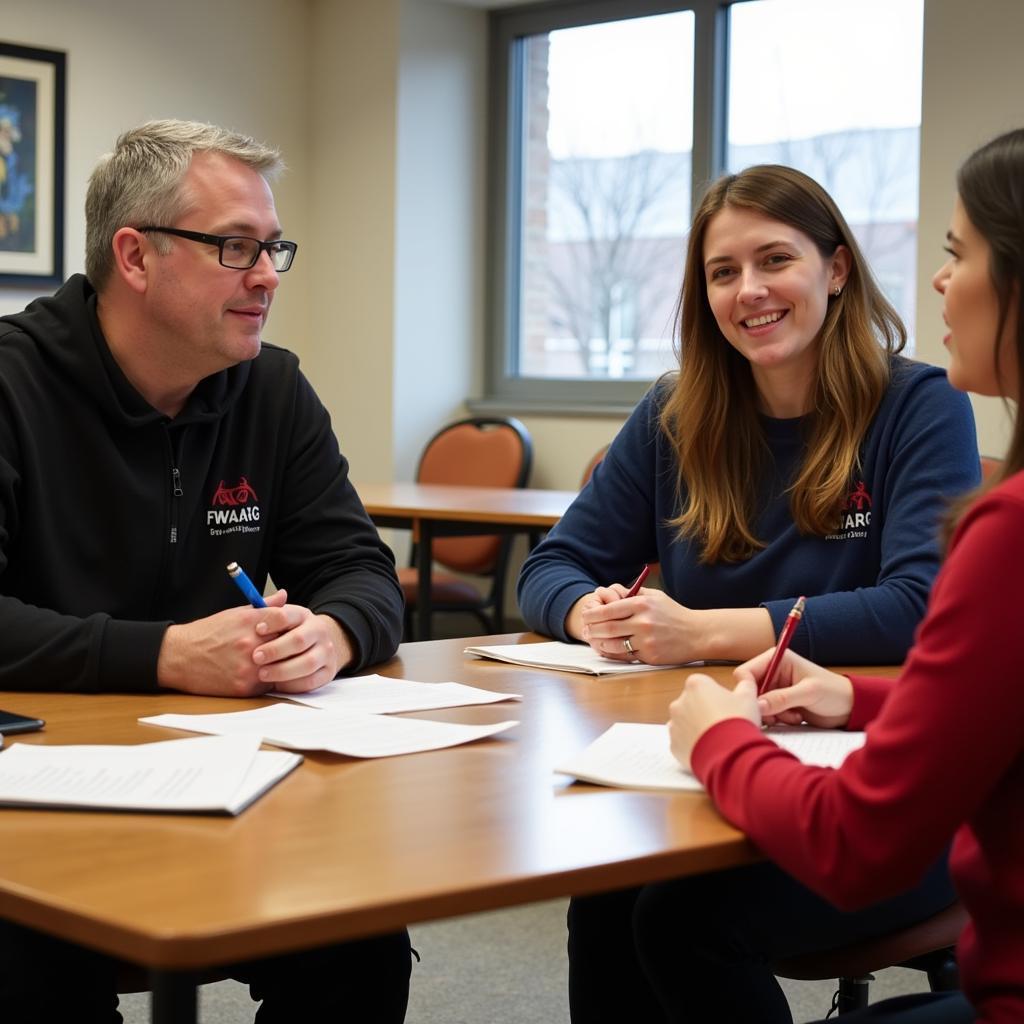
{"x":505,"y":967}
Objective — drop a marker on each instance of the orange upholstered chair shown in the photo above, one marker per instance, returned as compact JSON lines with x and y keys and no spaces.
{"x":654,"y":578}
{"x":989,"y":465}
{"x":479,"y":452}
{"x":595,"y":461}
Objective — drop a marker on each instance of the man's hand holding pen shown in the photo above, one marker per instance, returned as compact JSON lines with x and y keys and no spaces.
{"x":247,"y":651}
{"x":303,"y":650}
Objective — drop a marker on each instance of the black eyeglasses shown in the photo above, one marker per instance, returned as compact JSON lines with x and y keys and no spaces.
{"x":237,"y":252}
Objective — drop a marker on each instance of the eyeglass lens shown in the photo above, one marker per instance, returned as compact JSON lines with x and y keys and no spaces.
{"x":241,"y":253}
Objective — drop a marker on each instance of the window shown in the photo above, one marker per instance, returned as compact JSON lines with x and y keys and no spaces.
{"x":609,"y":115}
{"x":861,"y":141}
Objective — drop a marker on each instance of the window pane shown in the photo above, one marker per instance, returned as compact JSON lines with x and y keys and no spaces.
{"x":834,"y":89}
{"x":607,"y":139}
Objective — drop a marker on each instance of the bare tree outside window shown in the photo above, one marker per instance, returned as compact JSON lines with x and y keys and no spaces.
{"x":603,"y":168}
{"x":858,"y":135}
{"x":605,"y":212}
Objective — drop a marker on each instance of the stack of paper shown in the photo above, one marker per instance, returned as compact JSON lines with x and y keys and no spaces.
{"x":215,"y":775}
{"x":636,"y":756}
{"x":563,"y":658}
{"x":339,"y":732}
{"x":382,"y":695}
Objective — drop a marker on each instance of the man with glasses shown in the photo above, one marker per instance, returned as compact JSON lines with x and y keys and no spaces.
{"x":148,"y":437}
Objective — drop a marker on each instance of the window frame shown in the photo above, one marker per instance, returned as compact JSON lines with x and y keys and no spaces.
{"x":507,"y":391}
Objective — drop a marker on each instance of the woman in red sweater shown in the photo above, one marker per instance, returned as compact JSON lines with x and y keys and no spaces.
{"x":945,"y":742}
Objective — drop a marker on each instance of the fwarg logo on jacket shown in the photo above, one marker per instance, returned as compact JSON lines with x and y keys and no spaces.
{"x":855,"y":517}
{"x":233,"y":509}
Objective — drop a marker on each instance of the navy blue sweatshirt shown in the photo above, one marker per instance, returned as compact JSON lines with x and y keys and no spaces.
{"x":116,"y":521}
{"x":866,"y":583}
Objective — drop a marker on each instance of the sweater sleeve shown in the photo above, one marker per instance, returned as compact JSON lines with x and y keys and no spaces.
{"x":326,"y":551}
{"x":42,"y":649}
{"x":926,"y":453}
{"x":606,"y":535}
{"x":943,"y":737}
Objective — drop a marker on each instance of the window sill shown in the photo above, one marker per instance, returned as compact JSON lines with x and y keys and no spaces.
{"x":544,"y":407}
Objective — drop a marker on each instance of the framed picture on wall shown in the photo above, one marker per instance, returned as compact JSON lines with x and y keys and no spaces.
{"x":31,"y":166}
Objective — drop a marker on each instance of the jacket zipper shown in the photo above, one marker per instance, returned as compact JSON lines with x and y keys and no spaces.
{"x":178,"y":492}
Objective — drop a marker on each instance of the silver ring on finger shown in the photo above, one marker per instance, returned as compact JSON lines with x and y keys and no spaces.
{"x":629,"y":646}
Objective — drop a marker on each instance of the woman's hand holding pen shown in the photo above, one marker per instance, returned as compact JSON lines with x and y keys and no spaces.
{"x":660,"y":631}
{"x":704,"y":703}
{"x":800,"y":692}
{"x":663,"y":632}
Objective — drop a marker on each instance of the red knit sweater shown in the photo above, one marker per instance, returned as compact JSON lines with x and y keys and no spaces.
{"x":944,"y":755}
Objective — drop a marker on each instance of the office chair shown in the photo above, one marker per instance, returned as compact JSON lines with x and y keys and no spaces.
{"x":595,"y":461}
{"x":479,"y":452}
{"x":132,"y":978}
{"x":654,"y":577}
{"x":927,"y":946}
{"x":989,"y":465}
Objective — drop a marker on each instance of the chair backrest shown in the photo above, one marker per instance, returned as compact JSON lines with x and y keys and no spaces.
{"x":595,"y":461}
{"x":479,"y":452}
{"x":989,"y":465}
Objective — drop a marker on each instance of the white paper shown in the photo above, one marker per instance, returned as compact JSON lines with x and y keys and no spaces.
{"x":212,"y":774}
{"x":637,"y":756}
{"x":339,"y":732}
{"x":564,"y":658}
{"x":382,"y":695}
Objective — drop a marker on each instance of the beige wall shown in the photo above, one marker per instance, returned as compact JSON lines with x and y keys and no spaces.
{"x":973,"y":84}
{"x":379,"y":106}
{"x":130,"y":61}
{"x":352,"y":101}
{"x":440,"y":216}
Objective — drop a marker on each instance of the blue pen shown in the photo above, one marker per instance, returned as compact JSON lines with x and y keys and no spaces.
{"x":244,"y":584}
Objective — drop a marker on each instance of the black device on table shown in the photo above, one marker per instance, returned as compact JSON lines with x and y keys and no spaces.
{"x":10,"y":722}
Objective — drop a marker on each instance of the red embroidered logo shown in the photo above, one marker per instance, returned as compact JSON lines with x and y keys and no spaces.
{"x":854,"y":516}
{"x":859,"y":498}
{"x":241,"y":494}
{"x":234,"y":509}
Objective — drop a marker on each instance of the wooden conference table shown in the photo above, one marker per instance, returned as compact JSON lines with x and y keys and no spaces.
{"x":344,"y":848}
{"x":446,"y":510}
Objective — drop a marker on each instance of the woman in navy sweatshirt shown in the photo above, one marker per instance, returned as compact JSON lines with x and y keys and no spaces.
{"x":794,"y":452}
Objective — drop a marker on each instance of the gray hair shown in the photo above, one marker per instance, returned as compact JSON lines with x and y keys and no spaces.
{"x":141,"y":182}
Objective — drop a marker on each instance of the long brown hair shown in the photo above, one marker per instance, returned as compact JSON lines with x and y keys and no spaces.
{"x":711,"y":416}
{"x":990,"y":184}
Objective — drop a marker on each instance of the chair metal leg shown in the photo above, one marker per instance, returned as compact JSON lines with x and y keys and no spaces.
{"x":944,"y":976}
{"x":498,"y":617}
{"x":853,"y":993}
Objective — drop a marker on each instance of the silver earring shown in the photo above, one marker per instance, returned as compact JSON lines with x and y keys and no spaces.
{"x":838,"y":291}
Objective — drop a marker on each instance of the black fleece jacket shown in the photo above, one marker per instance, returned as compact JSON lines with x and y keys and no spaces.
{"x":116,"y":521}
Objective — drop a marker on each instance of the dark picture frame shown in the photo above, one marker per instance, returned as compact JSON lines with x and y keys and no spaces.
{"x":32,"y":111}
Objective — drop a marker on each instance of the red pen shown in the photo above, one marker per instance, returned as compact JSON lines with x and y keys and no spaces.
{"x":788,"y":629}
{"x":638,"y":582}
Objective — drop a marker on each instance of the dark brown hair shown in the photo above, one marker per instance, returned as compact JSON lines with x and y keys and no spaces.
{"x":990,"y":184}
